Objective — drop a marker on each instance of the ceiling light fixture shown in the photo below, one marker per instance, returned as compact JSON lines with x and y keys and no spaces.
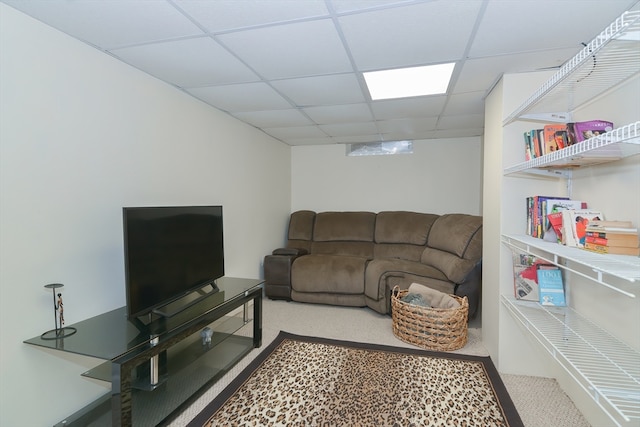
{"x":409,"y":82}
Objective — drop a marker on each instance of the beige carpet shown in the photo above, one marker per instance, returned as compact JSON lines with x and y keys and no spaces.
{"x":540,"y":401}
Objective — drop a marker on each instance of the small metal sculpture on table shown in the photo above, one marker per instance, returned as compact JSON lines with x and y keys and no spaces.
{"x":58,"y":313}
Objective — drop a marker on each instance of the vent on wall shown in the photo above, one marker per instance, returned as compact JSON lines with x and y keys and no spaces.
{"x":380,"y":148}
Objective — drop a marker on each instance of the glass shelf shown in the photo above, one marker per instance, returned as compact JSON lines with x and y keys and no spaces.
{"x":607,"y":369}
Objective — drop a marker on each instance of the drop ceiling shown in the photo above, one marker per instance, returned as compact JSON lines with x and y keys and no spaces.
{"x":293,"y":68}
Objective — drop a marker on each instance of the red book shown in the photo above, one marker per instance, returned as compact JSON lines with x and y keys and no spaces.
{"x":628,"y":241}
{"x":550,"y":140}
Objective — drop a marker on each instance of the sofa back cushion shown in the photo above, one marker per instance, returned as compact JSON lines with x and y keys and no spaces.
{"x":301,"y":229}
{"x":301,"y":225}
{"x":344,"y":226}
{"x":403,"y":227}
{"x":454,"y":245}
{"x":344,"y":233}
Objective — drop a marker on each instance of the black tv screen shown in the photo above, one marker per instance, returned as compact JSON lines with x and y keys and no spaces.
{"x":170,"y":252}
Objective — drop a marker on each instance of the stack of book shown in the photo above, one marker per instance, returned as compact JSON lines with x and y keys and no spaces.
{"x":554,"y":137}
{"x":539,"y":208}
{"x":612,"y":237}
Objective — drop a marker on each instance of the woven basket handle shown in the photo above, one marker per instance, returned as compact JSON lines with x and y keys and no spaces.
{"x":395,"y":291}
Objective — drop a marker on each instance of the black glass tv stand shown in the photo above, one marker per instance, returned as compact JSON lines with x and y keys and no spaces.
{"x":156,"y":370}
{"x":195,"y":297}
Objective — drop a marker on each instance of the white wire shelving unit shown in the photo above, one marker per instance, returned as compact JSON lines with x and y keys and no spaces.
{"x":606,"y":368}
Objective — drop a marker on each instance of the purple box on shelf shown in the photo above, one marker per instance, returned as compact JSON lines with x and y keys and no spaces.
{"x":586,"y":130}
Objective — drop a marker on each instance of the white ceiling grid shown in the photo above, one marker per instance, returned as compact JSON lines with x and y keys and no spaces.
{"x":293,"y":68}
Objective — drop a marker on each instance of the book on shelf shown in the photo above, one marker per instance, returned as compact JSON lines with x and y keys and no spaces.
{"x":604,"y":235}
{"x":631,"y":233}
{"x":571,"y":134}
{"x":612,"y":226}
{"x":555,"y":227}
{"x":574,"y":225}
{"x":590,"y":129}
{"x":553,"y":141}
{"x":535,"y":143}
{"x":528,"y":148}
{"x":555,"y":206}
{"x":561,"y":138}
{"x":625,"y":240}
{"x":551,"y":286}
{"x":525,"y":278}
{"x":614,"y":250}
{"x":536,"y":214}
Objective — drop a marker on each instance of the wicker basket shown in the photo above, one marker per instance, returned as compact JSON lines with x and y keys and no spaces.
{"x":441,"y":329}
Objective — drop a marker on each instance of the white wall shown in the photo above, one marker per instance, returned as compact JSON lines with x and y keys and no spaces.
{"x":441,"y":176}
{"x":81,"y":136}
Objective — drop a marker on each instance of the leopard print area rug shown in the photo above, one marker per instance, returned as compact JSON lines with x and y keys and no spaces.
{"x":305,"y":381}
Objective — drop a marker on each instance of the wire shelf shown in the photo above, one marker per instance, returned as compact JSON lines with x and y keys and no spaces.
{"x":600,"y":268}
{"x":611,"y":146}
{"x":607,"y":369}
{"x":611,"y":58}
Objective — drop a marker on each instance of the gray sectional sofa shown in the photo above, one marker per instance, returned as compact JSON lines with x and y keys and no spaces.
{"x":357,"y":258}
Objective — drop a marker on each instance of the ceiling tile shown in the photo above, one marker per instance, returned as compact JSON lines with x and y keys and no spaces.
{"x":110,"y":24}
{"x":224,"y":15}
{"x":410,"y":107}
{"x":404,"y":36}
{"x":274,"y":118}
{"x":339,"y":113}
{"x":483,"y":73}
{"x":465,"y":103}
{"x":242,"y":97}
{"x":292,"y":50}
{"x":357,"y":139}
{"x":408,"y":126}
{"x":342,"y":6}
{"x":469,"y":121}
{"x":310,"y":141}
{"x":458,"y":133}
{"x":401,"y":136}
{"x":499,"y":33}
{"x":350,"y":129}
{"x":296,"y":132}
{"x":321,"y":90}
{"x":188,"y":63}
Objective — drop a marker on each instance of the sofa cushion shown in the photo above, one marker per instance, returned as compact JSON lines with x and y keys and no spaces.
{"x":357,"y":249}
{"x":380,"y":269}
{"x":398,"y":250}
{"x":456,"y":269}
{"x":458,"y":234}
{"x":329,"y":274}
{"x":403,"y":227}
{"x":301,"y":225}
{"x":454,"y":245}
{"x":344,"y":226}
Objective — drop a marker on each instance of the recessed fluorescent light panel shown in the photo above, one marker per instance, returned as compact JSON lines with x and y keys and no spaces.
{"x":409,"y":82}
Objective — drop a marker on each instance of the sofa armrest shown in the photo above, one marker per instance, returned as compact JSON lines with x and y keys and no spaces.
{"x":471,"y":286}
{"x":290,"y":251}
{"x":277,"y":272}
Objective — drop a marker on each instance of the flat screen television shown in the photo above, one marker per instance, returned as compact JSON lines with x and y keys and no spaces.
{"x":170,"y":252}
